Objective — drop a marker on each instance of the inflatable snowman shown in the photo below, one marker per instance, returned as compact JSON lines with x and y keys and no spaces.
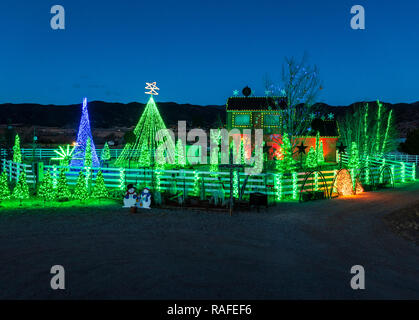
{"x":144,"y":199}
{"x":130,"y":198}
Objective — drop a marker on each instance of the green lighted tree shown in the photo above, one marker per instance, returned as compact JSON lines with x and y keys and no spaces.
{"x":99,"y":190}
{"x":145,"y":157}
{"x":372,"y":127}
{"x":286,"y":163}
{"x":106,"y":153}
{"x":62,"y":192}
{"x":17,"y":155}
{"x":354,"y":156}
{"x":88,"y":155}
{"x":311,"y":159}
{"x":215,"y":136}
{"x":180,"y":154}
{"x":319,"y":149}
{"x":4,"y":187}
{"x":46,"y":189}
{"x":149,"y":130}
{"x":21,"y":190}
{"x":80,"y":192}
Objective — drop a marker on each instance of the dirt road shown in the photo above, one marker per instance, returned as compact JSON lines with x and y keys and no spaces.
{"x":291,"y":251}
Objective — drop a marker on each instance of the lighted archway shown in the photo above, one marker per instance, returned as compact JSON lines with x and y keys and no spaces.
{"x":316,"y":174}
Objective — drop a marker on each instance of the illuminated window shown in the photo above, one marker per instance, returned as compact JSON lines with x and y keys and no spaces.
{"x":271,"y":120}
{"x":242,"y":119}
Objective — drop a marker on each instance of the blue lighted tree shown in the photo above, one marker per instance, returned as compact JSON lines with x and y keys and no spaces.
{"x":83,"y":135}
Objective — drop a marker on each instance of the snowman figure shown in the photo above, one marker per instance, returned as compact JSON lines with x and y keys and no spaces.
{"x":130,"y":197}
{"x":144,"y":200}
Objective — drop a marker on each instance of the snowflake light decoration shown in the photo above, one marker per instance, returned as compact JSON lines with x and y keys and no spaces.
{"x":235,"y":93}
{"x":152,"y":87}
{"x":330,"y":116}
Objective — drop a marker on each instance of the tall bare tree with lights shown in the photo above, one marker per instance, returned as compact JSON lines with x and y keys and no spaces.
{"x":300,"y":85}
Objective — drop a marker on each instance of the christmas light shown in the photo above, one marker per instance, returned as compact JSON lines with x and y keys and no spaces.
{"x":62,"y":191}
{"x":152,"y":87}
{"x":294,"y":185}
{"x":106,"y":153}
{"x":46,"y":189}
{"x":17,"y":156}
{"x":180,"y":154}
{"x":99,"y":190}
{"x":4,"y":187}
{"x":80,"y":192}
{"x":147,"y":131}
{"x":121,"y":179}
{"x":21,"y":190}
{"x":64,"y":156}
{"x":286,"y":162}
{"x":83,"y":136}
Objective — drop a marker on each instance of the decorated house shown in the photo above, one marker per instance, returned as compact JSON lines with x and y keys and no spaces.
{"x":249,"y":112}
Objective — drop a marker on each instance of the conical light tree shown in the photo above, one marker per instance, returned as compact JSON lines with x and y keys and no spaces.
{"x":106,"y":153}
{"x":17,"y":155}
{"x":99,"y":190}
{"x":80,"y":192}
{"x":62,"y":192}
{"x":46,"y":189}
{"x":320,"y":153}
{"x":287,"y":163}
{"x":83,"y":136}
{"x":147,"y":132}
{"x":311,"y":159}
{"x":180,"y":154}
{"x":21,"y":190}
{"x":4,"y":187}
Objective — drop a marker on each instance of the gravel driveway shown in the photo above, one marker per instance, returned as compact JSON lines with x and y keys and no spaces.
{"x":291,"y":251}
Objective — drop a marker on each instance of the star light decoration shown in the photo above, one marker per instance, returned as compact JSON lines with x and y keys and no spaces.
{"x":302,"y":148}
{"x":152,"y":87}
{"x":341,"y":148}
{"x":235,"y":93}
{"x":330,"y":116}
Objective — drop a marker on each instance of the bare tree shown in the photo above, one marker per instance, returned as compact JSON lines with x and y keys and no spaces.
{"x":300,"y":85}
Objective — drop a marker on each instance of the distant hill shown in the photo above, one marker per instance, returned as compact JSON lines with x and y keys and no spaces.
{"x":107,"y":115}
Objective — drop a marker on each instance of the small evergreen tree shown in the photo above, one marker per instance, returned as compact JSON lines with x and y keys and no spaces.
{"x":214,"y":160}
{"x":88,"y":155}
{"x":354,"y":157}
{"x":62,"y":192}
{"x":320,"y":153}
{"x":17,"y":155}
{"x":99,"y":190}
{"x":21,"y":190}
{"x":180,"y":154}
{"x":80,"y":192}
{"x":106,"y":153}
{"x":46,"y":189}
{"x":286,"y":163}
{"x":319,"y":149}
{"x":311,"y":159}
{"x":4,"y":187}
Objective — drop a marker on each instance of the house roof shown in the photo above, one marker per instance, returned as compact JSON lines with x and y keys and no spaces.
{"x":255,"y":103}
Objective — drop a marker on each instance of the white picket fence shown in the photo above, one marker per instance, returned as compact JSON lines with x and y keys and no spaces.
{"x":13,"y":171}
{"x":410,"y":158}
{"x":273,"y":184}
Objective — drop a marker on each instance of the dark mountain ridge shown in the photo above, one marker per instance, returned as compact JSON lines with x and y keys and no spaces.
{"x":119,"y":115}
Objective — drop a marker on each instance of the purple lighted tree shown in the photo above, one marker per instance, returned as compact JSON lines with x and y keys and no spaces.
{"x":82,"y":137}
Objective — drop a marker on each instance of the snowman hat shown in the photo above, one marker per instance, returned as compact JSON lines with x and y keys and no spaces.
{"x":130,"y":186}
{"x":146,"y":189}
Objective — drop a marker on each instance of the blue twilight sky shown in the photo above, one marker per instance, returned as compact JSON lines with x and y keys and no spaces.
{"x":200,"y":51}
